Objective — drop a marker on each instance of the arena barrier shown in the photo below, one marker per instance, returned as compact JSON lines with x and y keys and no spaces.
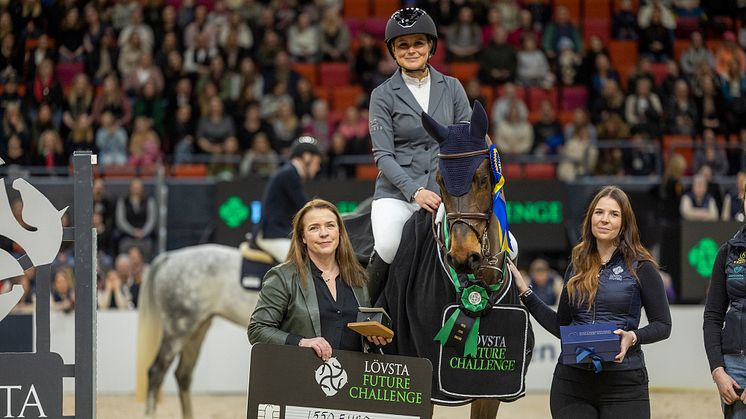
{"x":676,"y":363}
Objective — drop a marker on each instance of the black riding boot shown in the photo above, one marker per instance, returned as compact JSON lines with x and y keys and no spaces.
{"x":377,"y":273}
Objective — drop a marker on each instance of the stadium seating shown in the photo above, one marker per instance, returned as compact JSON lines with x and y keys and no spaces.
{"x":464,"y":71}
{"x":334,"y":74}
{"x":345,"y":96}
{"x":385,"y":8}
{"x":356,"y":8}
{"x":573,"y":97}
{"x":308,"y":71}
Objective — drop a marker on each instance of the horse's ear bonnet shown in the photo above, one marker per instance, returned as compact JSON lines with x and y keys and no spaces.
{"x":460,"y":138}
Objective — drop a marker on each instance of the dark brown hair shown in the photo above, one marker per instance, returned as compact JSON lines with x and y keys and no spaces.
{"x":351,"y":271}
{"x":586,"y":262}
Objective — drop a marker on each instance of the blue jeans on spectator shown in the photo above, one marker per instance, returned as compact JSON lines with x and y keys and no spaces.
{"x":735,"y":366}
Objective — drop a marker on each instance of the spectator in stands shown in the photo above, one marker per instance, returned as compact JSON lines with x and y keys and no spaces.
{"x":269,"y":47}
{"x":102,"y":61}
{"x":138,"y":268}
{"x":642,"y":70}
{"x":544,"y":281}
{"x":601,"y":75}
{"x":270,"y":103}
{"x":200,"y":28}
{"x":14,"y":124}
{"x":144,"y":72}
{"x":78,"y":101}
{"x":251,"y":77}
{"x":697,"y":204}
{"x":303,"y":39}
{"x":579,"y":155}
{"x":318,"y":125}
{"x":656,"y":41}
{"x":145,"y":145}
{"x":733,"y":86}
{"x":610,"y":162}
{"x":671,"y":188}
{"x":514,"y":135}
{"x":197,"y":58}
{"x":281,"y":70}
{"x":111,"y":140}
{"x":286,"y":127}
{"x":709,"y":152}
{"x":367,"y":57}
{"x":733,"y":203}
{"x":214,"y":128}
{"x":70,"y":37}
{"x":568,"y":63}
{"x":727,"y":52}
{"x":508,"y":98}
{"x":526,"y":24}
{"x":665,"y":15}
{"x":497,"y":60}
{"x":681,"y":112}
{"x":668,"y":84}
{"x":624,"y":23}
{"x":695,"y":55}
{"x":45,"y":88}
{"x":610,"y":101}
{"x":112,"y":99}
{"x":252,"y":125}
{"x":533,"y":67}
{"x":167,"y":26}
{"x":10,"y":95}
{"x":224,"y":167}
{"x":244,"y":39}
{"x":588,"y":66}
{"x":260,"y":159}
{"x":509,"y":12}
{"x":643,"y":109}
{"x":612,"y":127}
{"x":217,"y":75}
{"x":129,"y":54}
{"x":474,"y":92}
{"x":143,"y":31}
{"x":710,"y":107}
{"x":112,"y":295}
{"x":63,"y":290}
{"x":16,"y":154}
{"x":560,"y":28}
{"x":121,"y":12}
{"x":11,"y":57}
{"x":101,"y":203}
{"x":354,"y":129}
{"x":737,"y":152}
{"x":181,"y":135}
{"x":580,"y":121}
{"x":641,"y":158}
{"x":150,"y":105}
{"x":136,"y":215}
{"x":548,"y":137}
{"x":81,"y":135}
{"x":335,"y":37}
{"x":44,"y":121}
{"x":494,"y":21}
{"x":233,"y":54}
{"x":464,"y":37}
{"x":303,"y":98}
{"x":284,"y":196}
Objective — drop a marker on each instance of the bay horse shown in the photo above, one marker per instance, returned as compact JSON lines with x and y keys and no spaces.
{"x":467,"y":237}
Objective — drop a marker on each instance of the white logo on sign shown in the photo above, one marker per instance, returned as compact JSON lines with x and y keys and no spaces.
{"x":331,"y":377}
{"x":617,"y":270}
{"x":268,"y":411}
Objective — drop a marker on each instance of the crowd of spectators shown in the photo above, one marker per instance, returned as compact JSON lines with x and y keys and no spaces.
{"x":142,"y":82}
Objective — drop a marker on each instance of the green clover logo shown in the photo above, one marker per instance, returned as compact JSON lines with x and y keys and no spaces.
{"x":233,"y":212}
{"x":702,"y":256}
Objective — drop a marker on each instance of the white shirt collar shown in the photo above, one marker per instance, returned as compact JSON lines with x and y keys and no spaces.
{"x":414,"y":81}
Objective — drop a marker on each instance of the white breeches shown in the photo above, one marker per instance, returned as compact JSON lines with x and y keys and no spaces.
{"x":387,"y":217}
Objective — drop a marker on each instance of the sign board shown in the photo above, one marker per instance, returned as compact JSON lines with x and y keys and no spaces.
{"x":537,"y":214}
{"x":31,"y":385}
{"x":289,"y":382}
{"x":700,"y":242}
{"x":239,"y":203}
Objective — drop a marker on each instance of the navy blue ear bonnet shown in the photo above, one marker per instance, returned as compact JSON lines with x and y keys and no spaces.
{"x":459,"y":138}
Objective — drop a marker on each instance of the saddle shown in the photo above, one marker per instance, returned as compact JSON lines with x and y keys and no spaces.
{"x":254,"y":264}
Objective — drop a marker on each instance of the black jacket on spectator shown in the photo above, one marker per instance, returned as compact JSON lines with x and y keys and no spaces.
{"x":283,"y":197}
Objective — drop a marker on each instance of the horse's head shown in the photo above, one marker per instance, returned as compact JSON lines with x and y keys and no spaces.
{"x":466,"y":184}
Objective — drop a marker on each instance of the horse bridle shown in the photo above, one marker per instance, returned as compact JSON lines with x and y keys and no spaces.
{"x":488,"y":261}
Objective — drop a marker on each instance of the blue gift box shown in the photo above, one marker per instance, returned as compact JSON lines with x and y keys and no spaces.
{"x":587,"y":343}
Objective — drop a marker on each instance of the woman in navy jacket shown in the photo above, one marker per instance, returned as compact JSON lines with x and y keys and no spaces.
{"x":723,"y":322}
{"x":610,"y":279}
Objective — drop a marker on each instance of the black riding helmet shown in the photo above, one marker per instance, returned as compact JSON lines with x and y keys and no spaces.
{"x":410,"y":21}
{"x":305,"y":144}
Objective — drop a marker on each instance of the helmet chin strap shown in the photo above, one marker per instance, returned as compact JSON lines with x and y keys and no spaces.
{"x":418,"y":72}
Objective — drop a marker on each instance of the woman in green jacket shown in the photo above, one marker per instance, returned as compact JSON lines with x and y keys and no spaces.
{"x":308,"y":300}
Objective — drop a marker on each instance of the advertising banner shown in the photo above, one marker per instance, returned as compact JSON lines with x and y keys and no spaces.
{"x":289,"y":382}
{"x":700,"y":242}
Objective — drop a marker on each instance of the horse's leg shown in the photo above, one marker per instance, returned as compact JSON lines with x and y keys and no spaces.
{"x":157,"y":371}
{"x":187,"y":360}
{"x":484,"y":408}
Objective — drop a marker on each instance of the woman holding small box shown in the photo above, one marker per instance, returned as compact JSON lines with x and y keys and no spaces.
{"x":723,"y":322}
{"x":611,"y":277}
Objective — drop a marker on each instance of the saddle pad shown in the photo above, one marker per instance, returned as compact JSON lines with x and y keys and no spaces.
{"x":252,"y":274}
{"x":499,"y":369}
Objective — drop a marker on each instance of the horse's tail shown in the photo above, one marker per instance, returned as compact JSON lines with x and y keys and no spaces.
{"x":149,"y":328}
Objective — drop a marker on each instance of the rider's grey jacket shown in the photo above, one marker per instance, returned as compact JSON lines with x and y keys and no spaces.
{"x":406,"y":155}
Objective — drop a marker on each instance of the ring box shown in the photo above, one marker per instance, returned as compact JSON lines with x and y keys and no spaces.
{"x":372,"y":321}
{"x":596,"y":337}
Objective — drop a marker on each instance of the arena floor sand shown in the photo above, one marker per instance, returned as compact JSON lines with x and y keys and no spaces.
{"x":665,"y":405}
